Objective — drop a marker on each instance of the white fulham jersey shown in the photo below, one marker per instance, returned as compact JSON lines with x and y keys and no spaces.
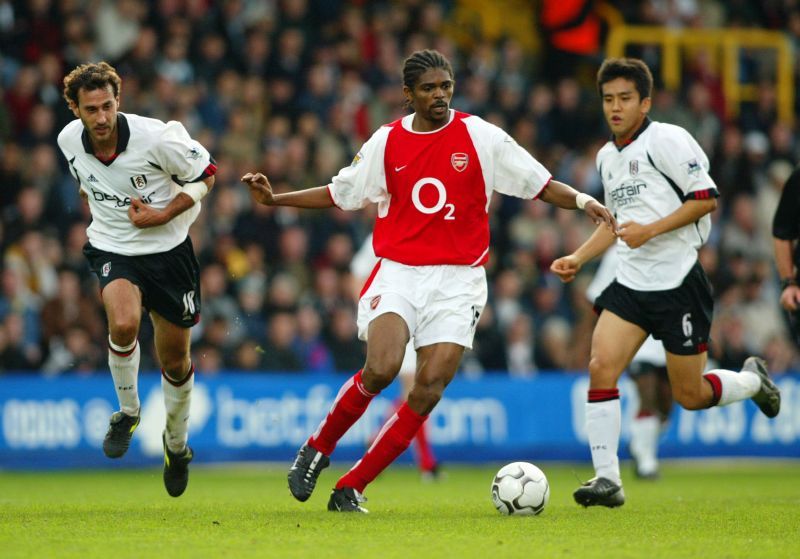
{"x":645,"y":180}
{"x":153,"y":159}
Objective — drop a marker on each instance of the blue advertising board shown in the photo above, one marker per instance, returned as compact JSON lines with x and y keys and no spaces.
{"x":60,"y":422}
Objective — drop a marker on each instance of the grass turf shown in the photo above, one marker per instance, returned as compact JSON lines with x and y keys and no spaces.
{"x":713,"y":509}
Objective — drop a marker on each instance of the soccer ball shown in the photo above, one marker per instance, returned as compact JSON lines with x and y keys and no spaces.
{"x":520,"y":488}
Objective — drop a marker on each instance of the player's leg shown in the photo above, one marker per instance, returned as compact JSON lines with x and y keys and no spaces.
{"x":684,"y":328}
{"x":177,"y":380}
{"x":614,"y":343}
{"x":387,"y":335}
{"x":438,"y":365}
{"x":423,"y":452}
{"x":719,"y":387}
{"x":646,"y":425}
{"x":123,"y":305}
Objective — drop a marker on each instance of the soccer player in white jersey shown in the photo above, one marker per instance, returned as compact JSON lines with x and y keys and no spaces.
{"x":363,"y":263}
{"x":432,"y":174}
{"x":648,"y":370}
{"x":143,"y":180}
{"x":656,"y":182}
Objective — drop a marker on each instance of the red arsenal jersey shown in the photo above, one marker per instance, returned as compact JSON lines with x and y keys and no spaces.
{"x":433,"y":188}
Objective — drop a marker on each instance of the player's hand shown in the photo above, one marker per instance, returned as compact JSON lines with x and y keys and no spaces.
{"x":143,"y":215}
{"x":260,"y":188}
{"x":566,"y":267}
{"x":600,"y":214}
{"x":790,"y":298}
{"x":634,"y":234}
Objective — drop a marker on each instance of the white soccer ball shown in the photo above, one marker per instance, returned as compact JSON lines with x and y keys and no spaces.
{"x":520,"y":488}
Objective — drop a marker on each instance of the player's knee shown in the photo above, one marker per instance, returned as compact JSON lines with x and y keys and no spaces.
{"x":377,"y":376}
{"x":601,"y":371}
{"x":177,"y":367}
{"x":123,"y":332}
{"x":690,"y":398}
{"x":424,"y":397}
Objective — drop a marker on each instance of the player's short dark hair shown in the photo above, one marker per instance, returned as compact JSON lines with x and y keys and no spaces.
{"x":91,"y":77}
{"x":631,"y":69}
{"x":420,"y":61}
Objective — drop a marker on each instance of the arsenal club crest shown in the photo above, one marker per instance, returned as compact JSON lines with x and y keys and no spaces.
{"x":374,"y":302}
{"x":459,"y":161}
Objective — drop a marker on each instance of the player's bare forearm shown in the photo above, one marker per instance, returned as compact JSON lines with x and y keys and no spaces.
{"x":183,"y":201}
{"x":261,"y":192}
{"x":567,"y":267}
{"x":564,"y":196}
{"x":689,"y":212}
{"x":560,"y":194}
{"x":783,"y":258}
{"x":597,"y":244}
{"x":317,"y":197}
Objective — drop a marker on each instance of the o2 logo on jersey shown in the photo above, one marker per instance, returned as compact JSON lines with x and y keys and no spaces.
{"x":459,"y":161}
{"x":441,"y":200}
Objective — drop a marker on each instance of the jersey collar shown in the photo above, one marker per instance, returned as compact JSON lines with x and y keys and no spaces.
{"x":123,"y":136}
{"x":408,"y":119}
{"x":645,"y":123}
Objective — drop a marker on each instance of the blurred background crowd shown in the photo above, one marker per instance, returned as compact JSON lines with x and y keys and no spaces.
{"x":292,"y":88}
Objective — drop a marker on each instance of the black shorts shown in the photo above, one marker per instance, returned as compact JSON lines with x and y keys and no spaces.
{"x":169,"y":281}
{"x":679,"y":317}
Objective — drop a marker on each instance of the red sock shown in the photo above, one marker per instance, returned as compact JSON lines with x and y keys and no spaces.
{"x":392,"y":441}
{"x":350,"y":404}
{"x":425,"y":457}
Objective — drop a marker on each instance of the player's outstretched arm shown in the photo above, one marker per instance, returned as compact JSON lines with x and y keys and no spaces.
{"x":564,"y":196}
{"x":567,"y":267}
{"x":261,"y":192}
{"x":143,"y":215}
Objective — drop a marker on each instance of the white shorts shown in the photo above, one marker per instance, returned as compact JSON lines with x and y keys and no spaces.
{"x":438,"y":303}
{"x":409,"y":365}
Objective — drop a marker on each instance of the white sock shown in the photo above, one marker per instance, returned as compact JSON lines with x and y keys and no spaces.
{"x":736,"y":386}
{"x":603,"y":427}
{"x":124,"y":365}
{"x":177,"y":401}
{"x":644,"y":443}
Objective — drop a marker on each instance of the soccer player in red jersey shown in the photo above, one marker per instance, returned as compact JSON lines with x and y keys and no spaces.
{"x":432,"y":174}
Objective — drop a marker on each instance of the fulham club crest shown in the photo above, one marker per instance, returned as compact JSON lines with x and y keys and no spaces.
{"x":634,"y":168}
{"x":459,"y":161}
{"x":139,"y":181}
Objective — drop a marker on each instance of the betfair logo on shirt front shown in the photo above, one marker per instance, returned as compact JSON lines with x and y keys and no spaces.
{"x":116,"y":200}
{"x":627,"y":192}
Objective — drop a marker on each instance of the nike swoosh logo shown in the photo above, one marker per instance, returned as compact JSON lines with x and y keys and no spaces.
{"x":398,"y":169}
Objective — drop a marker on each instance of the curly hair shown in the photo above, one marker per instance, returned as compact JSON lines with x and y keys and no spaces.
{"x":90,"y":77}
{"x":420,"y":61}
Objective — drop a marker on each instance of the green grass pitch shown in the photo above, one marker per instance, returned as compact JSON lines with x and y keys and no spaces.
{"x":699,"y":510}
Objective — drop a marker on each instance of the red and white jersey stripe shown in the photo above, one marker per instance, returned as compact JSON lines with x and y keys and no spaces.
{"x":433,"y":188}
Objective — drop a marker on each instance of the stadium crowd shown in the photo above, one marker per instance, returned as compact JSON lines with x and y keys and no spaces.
{"x":292,"y":88}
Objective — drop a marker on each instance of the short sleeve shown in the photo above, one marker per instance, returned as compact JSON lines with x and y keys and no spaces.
{"x":786,"y":223}
{"x":67,"y":152}
{"x":507,"y":167}
{"x":364,"y":180}
{"x":678,"y":155}
{"x":180,"y":156}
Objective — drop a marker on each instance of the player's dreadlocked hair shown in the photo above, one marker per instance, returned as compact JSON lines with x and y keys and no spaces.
{"x":90,"y":77}
{"x":631,"y":69}
{"x":420,"y":61}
